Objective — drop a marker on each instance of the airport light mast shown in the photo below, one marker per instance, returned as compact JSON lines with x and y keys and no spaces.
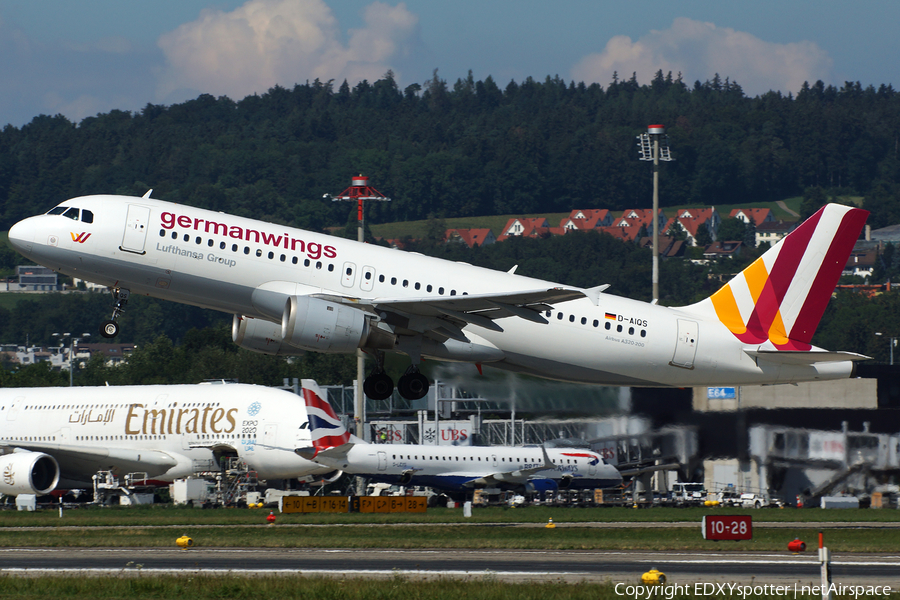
{"x":359,"y":191}
{"x":654,"y":146}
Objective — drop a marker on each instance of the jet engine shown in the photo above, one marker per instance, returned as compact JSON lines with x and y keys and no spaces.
{"x":28,"y":473}
{"x":262,"y":336}
{"x":541,"y":485}
{"x":324,"y":326}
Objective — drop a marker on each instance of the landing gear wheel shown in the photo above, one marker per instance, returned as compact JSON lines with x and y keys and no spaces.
{"x":413,"y":385}
{"x":109,"y":329}
{"x":378,"y":386}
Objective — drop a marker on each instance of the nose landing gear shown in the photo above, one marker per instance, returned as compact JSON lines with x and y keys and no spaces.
{"x":110,"y":328}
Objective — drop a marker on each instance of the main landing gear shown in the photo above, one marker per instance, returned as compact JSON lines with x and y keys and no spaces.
{"x":379,"y":386}
{"x":110,"y":328}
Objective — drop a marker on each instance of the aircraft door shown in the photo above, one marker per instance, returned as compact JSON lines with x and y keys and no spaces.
{"x":14,"y":409}
{"x":136,"y":224}
{"x":65,"y":435}
{"x":685,"y":345}
{"x":270,"y":433}
{"x":382,"y":460}
{"x":494,"y":457}
{"x":348,"y":277}
{"x":592,"y":466}
{"x":367,"y":279}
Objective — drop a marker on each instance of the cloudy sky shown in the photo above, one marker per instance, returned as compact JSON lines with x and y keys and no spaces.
{"x":80,"y":59}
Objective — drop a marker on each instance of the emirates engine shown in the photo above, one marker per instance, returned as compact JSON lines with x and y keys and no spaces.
{"x":28,"y":473}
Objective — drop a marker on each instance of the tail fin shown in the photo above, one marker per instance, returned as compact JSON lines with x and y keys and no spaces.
{"x":326,"y":429}
{"x":781,"y":296}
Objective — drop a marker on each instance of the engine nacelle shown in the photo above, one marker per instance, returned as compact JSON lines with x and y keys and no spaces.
{"x":541,"y":485}
{"x":324,"y":326}
{"x":262,"y":336}
{"x":28,"y":473}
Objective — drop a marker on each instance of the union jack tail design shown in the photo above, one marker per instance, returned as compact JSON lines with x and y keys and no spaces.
{"x":780,"y":298}
{"x":325,"y":428}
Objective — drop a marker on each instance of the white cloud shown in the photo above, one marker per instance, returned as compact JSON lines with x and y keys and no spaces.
{"x":700,"y":50}
{"x":269,"y":42}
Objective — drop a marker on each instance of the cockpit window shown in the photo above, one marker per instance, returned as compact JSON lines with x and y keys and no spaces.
{"x":58,"y":210}
{"x":87,"y":216}
{"x":72,"y":213}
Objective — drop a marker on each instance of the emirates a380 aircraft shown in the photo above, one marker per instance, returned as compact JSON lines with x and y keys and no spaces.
{"x":292,"y":291}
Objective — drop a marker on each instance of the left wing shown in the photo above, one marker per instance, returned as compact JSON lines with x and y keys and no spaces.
{"x":446,"y":316}
{"x":517,"y":477}
{"x":79,"y":461}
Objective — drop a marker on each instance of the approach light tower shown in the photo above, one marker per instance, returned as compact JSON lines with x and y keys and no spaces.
{"x":654,"y":146}
{"x":359,"y":191}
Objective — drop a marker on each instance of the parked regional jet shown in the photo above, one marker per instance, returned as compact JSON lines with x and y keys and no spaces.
{"x":449,"y":468}
{"x":293,"y":291}
{"x":60,"y":437}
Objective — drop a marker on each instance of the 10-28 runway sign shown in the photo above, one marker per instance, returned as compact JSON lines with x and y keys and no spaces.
{"x":727,"y":527}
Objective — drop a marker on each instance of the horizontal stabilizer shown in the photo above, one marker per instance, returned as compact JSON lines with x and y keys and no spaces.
{"x":794,"y":357}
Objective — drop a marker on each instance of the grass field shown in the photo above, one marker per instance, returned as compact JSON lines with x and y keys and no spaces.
{"x":489,"y":528}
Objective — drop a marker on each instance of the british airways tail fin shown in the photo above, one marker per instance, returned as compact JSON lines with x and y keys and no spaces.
{"x":326,"y":429}
{"x":780,"y":298}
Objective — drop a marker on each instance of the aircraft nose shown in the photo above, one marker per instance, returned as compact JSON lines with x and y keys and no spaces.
{"x":21,"y":235}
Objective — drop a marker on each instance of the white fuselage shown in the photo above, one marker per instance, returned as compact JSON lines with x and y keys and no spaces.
{"x":246,"y":267}
{"x":166,"y":431}
{"x":463,"y":468}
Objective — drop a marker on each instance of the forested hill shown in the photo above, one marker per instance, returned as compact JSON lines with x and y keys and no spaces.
{"x":470,"y":148}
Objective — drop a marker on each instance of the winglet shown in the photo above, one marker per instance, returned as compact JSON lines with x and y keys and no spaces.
{"x":593,"y":294}
{"x":325,"y":428}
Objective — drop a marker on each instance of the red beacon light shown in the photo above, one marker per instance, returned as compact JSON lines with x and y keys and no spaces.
{"x":271,"y":518}
{"x":796,"y":545}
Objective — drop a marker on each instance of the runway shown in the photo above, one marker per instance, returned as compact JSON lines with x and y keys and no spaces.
{"x":571,"y":566}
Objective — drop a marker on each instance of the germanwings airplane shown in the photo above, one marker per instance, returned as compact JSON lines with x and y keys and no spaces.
{"x":292,"y":291}
{"x":60,"y":437}
{"x":449,"y":468}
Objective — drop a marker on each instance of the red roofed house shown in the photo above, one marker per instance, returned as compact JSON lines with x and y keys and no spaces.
{"x":757,"y":215}
{"x":526,"y":227}
{"x":470,"y":237}
{"x":690,"y":219}
{"x":587,"y":219}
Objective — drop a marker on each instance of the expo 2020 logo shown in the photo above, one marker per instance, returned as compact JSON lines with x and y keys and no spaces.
{"x":253,"y":409}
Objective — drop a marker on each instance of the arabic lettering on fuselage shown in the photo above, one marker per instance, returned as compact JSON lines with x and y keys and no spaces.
{"x":87,"y":416}
{"x":314,"y":250}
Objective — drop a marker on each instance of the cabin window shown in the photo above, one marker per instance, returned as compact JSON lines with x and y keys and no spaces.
{"x":210,"y":243}
{"x":222,"y":245}
{"x":283,"y":258}
{"x":306,"y":263}
{"x":187,"y":238}
{"x":643,"y":333}
{"x":294,"y":260}
{"x":271,"y":255}
{"x":441,"y":291}
{"x":619,"y":328}
{"x":428,"y":288}
{"x":571,"y":318}
{"x":331,"y":267}
{"x":258,"y":252}
{"x":162,"y":233}
{"x":608,"y":325}
{"x":559,"y":316}
{"x":319,"y":264}
{"x":234,"y":247}
{"x":406,"y":283}
{"x":631,"y":331}
{"x":452,"y":292}
{"x":246,"y":249}
{"x":584,"y":320}
{"x":393,"y":281}
{"x":174,"y":235}
{"x":418,"y":285}
{"x":596,"y":323}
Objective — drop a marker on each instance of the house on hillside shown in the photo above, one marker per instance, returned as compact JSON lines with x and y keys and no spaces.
{"x":757,"y":216}
{"x":470,"y":237}
{"x":528,"y":227}
{"x":773,"y":231}
{"x":689,"y":221}
{"x":582,"y":220}
{"x":728,"y":249}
